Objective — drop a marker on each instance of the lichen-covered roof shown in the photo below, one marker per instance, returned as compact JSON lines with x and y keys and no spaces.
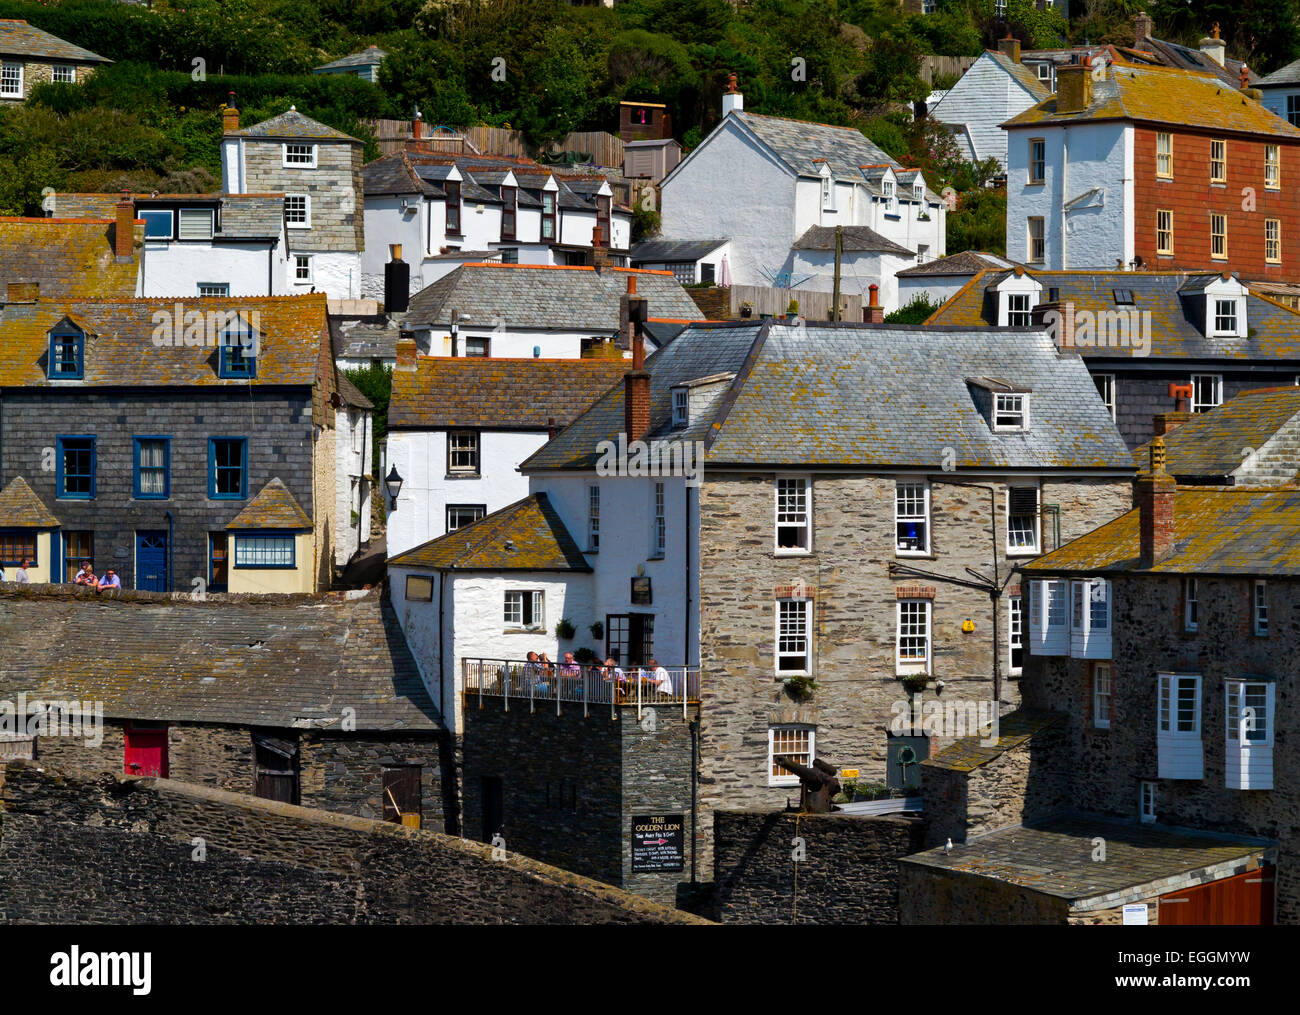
{"x":1055,"y":856}
{"x":545,"y":297}
{"x":1164,"y":95}
{"x":18,"y":38}
{"x":1014,"y":729}
{"x":1213,"y":445}
{"x":460,"y":391}
{"x":273,"y":507}
{"x":293,"y":126}
{"x":1217,"y":531}
{"x":20,"y":508}
{"x":862,"y":395}
{"x":1273,"y":329}
{"x":804,"y":146}
{"x":68,"y":257}
{"x":369,"y":56}
{"x":528,"y":535}
{"x":967,"y":262}
{"x":123,"y":347}
{"x":270,"y":661}
{"x":855,"y":239}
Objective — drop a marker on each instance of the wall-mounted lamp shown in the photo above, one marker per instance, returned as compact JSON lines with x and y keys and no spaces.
{"x":393,"y":484}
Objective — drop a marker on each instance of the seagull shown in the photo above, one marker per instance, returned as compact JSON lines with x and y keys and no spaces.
{"x":947,"y":847}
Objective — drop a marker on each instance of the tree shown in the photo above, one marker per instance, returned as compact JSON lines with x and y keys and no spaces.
{"x":978,"y":222}
{"x":376,"y":383}
{"x":917,"y":311}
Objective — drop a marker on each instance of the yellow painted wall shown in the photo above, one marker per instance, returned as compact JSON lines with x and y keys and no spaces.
{"x":276,"y":580}
{"x":38,"y":573}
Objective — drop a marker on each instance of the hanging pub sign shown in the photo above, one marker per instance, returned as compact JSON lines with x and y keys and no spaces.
{"x":658,"y":842}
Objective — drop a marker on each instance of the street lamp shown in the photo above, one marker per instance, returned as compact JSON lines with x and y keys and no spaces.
{"x":393,"y":484}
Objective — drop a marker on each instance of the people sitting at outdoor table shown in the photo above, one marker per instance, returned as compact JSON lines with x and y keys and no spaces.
{"x":544,"y":670}
{"x":569,"y":668}
{"x":658,"y":676}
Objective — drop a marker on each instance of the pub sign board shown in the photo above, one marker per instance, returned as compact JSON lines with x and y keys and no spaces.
{"x":658,"y":842}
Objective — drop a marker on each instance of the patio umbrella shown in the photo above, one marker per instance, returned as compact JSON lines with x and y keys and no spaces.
{"x":724,"y":272}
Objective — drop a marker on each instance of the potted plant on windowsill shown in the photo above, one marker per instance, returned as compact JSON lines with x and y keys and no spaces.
{"x":915,"y":682}
{"x":800,"y":688}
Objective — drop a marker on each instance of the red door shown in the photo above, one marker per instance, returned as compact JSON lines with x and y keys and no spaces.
{"x":1242,"y":900}
{"x":146,"y":751}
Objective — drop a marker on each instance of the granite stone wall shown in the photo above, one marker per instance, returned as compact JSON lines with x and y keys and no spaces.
{"x":1105,"y":766}
{"x":849,"y":874}
{"x":335,"y":189}
{"x":929,"y":896}
{"x":858,"y":693}
{"x":109,"y":849}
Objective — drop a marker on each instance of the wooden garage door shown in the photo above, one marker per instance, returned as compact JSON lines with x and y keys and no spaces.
{"x":1242,"y":900}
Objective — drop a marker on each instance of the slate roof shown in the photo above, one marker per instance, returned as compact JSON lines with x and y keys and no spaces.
{"x":368,"y":56}
{"x":272,"y":507}
{"x":861,"y":396}
{"x":1236,"y":530}
{"x":1163,"y":95}
{"x":1024,"y":76}
{"x":1172,"y":54}
{"x":1209,"y":445}
{"x":1014,"y":728}
{"x":350,"y":394}
{"x":803,"y":145}
{"x":265,"y":662}
{"x":371,"y":336}
{"x":18,"y":38}
{"x":968,"y":262}
{"x":70,"y":258}
{"x":121,"y":349}
{"x":20,"y":508}
{"x":540,"y":296}
{"x":528,"y":535}
{"x":665,"y":251}
{"x":1288,"y":75}
{"x":1273,"y":329}
{"x":505,"y":394}
{"x":856,"y":239}
{"x":1054,"y":857}
{"x":293,"y":126}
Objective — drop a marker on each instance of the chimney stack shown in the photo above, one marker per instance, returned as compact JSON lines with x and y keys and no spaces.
{"x":1011,"y":47}
{"x":1056,"y":317}
{"x":1167,"y":422}
{"x":636,"y":382}
{"x":732,"y":100}
{"x":417,"y":126}
{"x":1213,"y":47}
{"x":1155,"y":501}
{"x":397,"y":282}
{"x":874,"y":313}
{"x":1143,"y":26}
{"x":600,"y":252}
{"x":124,"y":228}
{"x":230,"y":116}
{"x":1181,"y":394}
{"x":1074,"y":86}
{"x":405,"y":354}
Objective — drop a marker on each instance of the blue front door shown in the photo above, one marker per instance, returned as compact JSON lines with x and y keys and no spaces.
{"x":151,"y":561}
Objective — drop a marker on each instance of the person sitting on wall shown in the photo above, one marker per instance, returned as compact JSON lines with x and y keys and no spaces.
{"x":22,"y":577}
{"x":109,"y":581}
{"x":86,"y":576}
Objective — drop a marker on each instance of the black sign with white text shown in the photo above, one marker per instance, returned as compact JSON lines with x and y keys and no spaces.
{"x":658,"y":842}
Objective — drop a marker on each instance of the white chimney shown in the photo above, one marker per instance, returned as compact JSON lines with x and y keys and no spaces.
{"x":732,"y":100}
{"x":1213,"y":47}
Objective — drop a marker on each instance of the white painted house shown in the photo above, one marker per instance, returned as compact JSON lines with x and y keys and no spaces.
{"x":446,"y":210}
{"x":354,"y":469}
{"x":765,"y":181}
{"x":459,"y":428}
{"x":535,"y":311}
{"x":937,"y":281}
{"x":996,"y":88}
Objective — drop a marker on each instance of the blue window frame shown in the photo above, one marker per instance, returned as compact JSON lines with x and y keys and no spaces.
{"x":265,"y":550}
{"x":238,"y":351}
{"x":17,"y":545}
{"x":227,"y":468}
{"x":75,"y":478}
{"x":157,"y":223}
{"x":67,"y":354}
{"x":153,"y":468}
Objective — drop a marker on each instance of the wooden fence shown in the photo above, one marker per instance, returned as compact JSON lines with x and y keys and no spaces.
{"x":814,"y":305}
{"x":604,"y":148}
{"x":947,"y":65}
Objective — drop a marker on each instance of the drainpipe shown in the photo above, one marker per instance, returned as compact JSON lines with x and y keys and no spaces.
{"x":1065,"y":190}
{"x":170,"y":553}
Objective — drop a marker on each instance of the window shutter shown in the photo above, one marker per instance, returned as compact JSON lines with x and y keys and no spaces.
{"x":1024,"y":500}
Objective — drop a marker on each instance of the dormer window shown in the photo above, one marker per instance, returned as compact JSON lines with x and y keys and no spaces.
{"x":1010,"y":411}
{"x":887,"y":192}
{"x":453,"y":208}
{"x":828,"y":189}
{"x":681,"y":408}
{"x":196,"y":223}
{"x":67,"y":354}
{"x":1018,"y":310}
{"x":508,"y":202}
{"x":238,"y":351}
{"x":1225,"y":317}
{"x":548,"y":215}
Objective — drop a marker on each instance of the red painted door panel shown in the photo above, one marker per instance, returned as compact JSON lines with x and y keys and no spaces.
{"x":146,"y":752}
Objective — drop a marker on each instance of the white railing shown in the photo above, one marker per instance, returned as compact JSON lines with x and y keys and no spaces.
{"x":540,"y":684}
